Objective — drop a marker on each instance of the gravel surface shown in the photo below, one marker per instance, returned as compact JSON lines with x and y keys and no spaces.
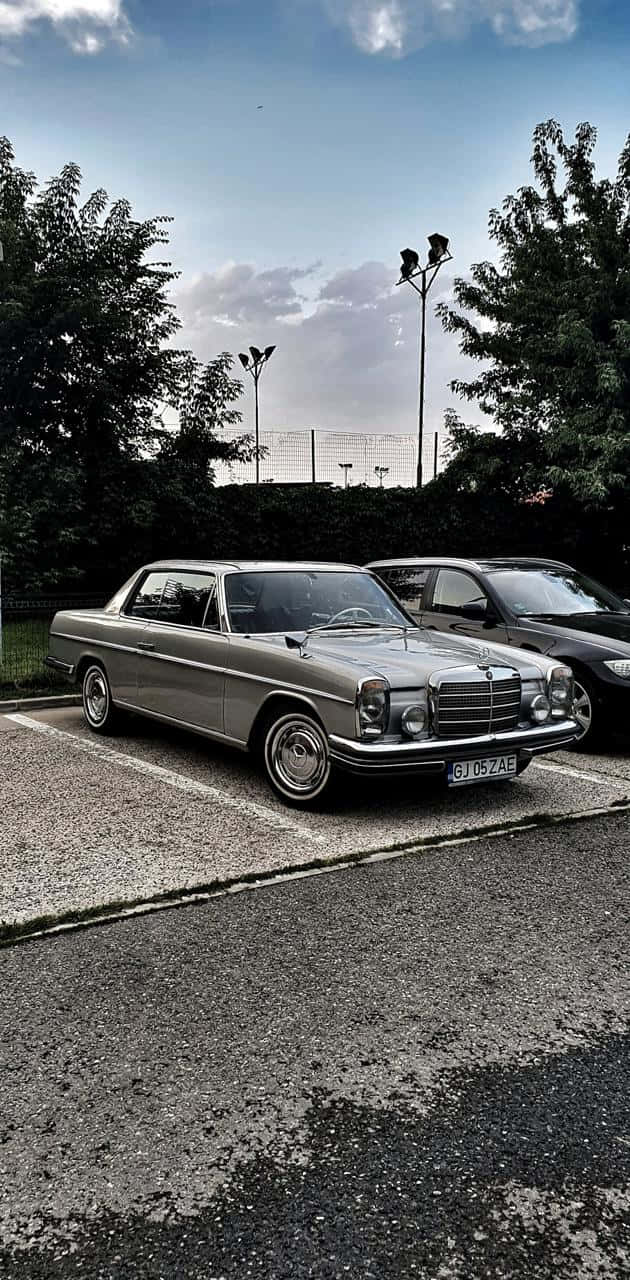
{"x":417,"y":1068}
{"x":81,"y":825}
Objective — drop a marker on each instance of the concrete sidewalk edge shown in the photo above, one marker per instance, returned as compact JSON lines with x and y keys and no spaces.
{"x":40,"y":704}
{"x":74,"y":920}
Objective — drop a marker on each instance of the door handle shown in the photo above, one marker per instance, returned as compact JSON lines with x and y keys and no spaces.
{"x":146,"y":645}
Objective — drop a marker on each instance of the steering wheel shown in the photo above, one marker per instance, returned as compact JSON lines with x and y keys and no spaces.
{"x":343,"y":613}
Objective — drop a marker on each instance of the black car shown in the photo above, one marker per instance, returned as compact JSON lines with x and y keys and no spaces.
{"x":533,"y":604}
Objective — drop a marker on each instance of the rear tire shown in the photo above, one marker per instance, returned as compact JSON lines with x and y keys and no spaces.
{"x":296,"y":758}
{"x":100,"y":713}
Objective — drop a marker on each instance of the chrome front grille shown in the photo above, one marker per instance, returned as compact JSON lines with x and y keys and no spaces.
{"x":465,"y":708}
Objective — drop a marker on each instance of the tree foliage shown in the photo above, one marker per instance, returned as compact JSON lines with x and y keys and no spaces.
{"x":87,"y":361}
{"x":550,"y":326}
{"x":206,"y":410}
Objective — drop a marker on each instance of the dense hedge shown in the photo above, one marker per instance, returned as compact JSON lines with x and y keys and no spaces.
{"x":316,"y":522}
{"x":361,"y":524}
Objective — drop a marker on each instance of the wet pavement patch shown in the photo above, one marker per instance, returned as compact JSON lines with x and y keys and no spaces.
{"x":511,"y":1173}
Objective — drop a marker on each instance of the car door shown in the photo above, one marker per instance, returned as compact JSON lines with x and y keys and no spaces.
{"x":458,"y":603}
{"x":408,"y":583}
{"x":181,"y":670}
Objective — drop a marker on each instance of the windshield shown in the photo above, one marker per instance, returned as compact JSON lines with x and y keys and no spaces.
{"x":559,"y":592}
{"x":296,"y":600}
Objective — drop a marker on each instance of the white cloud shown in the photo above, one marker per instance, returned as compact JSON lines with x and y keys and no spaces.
{"x":85,"y":24}
{"x":347,"y":359}
{"x":400,"y":26}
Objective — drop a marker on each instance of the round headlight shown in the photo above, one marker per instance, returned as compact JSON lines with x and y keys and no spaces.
{"x":414,"y":720}
{"x":561,"y":686}
{"x":540,"y":709}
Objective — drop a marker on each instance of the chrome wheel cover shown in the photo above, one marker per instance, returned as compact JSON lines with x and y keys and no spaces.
{"x":95,"y":695}
{"x":583,"y":709}
{"x":298,"y":757}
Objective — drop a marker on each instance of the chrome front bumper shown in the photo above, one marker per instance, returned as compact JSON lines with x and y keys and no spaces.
{"x":433,"y":755}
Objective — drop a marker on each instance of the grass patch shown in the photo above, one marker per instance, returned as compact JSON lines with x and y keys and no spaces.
{"x":22,"y":669}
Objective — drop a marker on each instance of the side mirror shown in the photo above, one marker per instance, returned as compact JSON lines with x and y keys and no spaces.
{"x":476,"y":612}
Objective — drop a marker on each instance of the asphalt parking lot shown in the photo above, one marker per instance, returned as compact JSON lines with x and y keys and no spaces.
{"x":96,"y":823}
{"x":414,"y":1067}
{"x":414,"y":1071}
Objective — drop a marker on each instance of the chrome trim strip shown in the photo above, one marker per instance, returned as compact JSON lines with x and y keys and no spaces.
{"x":207,"y":666}
{"x":104,"y":644}
{"x":527,"y":739}
{"x":182,"y":724}
{"x":154,"y":654}
{"x":68,"y":668}
{"x":293,"y":688}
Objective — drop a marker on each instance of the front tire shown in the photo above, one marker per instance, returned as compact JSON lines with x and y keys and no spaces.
{"x":587,"y":712}
{"x":99,"y":711}
{"x":296,"y":758}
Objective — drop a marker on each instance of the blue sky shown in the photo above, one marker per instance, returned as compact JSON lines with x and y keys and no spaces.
{"x":381,"y":121}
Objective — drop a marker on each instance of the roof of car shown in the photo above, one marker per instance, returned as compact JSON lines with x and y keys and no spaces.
{"x":248,"y":566}
{"x":450,"y":562}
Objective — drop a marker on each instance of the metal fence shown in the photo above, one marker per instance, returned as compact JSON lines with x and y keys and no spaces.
{"x":337,"y":457}
{"x":24,"y":626}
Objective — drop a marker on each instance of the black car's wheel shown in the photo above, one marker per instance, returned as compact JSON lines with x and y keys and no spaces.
{"x":98,"y":708}
{"x":296,"y":758}
{"x":587,"y":713}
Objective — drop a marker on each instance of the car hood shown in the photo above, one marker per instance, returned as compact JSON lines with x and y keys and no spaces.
{"x":614,"y":626}
{"x":408,"y":659}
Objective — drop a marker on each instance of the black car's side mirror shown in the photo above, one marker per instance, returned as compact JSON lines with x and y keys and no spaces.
{"x":478,"y":613}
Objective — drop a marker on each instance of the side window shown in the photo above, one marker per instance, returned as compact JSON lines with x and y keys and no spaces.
{"x":146,"y":601}
{"x":407,"y":584}
{"x":186,"y":599}
{"x":190,"y":600}
{"x":454,"y":590}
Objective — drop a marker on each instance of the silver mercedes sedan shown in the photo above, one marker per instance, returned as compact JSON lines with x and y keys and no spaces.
{"x":314,"y":667}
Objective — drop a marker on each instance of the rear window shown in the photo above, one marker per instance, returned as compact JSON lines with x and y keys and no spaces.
{"x":407,"y":584}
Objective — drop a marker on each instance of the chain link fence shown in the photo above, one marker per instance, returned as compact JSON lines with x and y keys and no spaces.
{"x":337,"y":458}
{"x":24,"y":626}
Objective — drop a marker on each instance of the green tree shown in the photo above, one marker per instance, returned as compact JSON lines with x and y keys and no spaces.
{"x":550,"y":325}
{"x":207,"y":419}
{"x":87,"y":363}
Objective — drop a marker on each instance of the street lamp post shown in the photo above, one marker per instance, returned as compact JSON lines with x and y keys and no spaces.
{"x":345,"y":467}
{"x":410,"y":270}
{"x":254,"y":363}
{"x":380,"y":472}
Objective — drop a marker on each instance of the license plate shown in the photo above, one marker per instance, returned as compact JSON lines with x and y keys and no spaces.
{"x":462,"y":772}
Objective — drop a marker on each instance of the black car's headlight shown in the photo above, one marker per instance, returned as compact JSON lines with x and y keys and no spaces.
{"x":372,"y":707}
{"x":560,"y":690}
{"x":620,"y":667}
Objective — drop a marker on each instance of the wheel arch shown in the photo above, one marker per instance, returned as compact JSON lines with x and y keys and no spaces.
{"x":276,"y":704}
{"x":88,"y":660}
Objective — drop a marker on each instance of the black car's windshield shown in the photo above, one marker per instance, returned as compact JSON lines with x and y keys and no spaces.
{"x":297,"y":600}
{"x":553,"y":592}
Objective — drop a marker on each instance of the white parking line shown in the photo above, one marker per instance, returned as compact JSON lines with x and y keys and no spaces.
{"x":604,"y":779}
{"x":95,"y":747}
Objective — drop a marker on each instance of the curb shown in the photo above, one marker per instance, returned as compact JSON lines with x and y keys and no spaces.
{"x":40,"y":704}
{"x":76,"y":920}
